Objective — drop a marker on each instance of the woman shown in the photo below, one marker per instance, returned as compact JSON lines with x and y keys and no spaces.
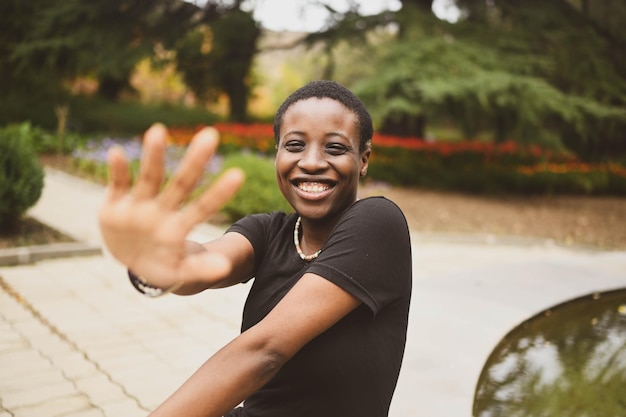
{"x":324,"y":325}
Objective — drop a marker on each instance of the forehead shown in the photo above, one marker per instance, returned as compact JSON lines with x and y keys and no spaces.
{"x":321,"y":112}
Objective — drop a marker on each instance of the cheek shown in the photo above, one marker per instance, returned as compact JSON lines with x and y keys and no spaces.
{"x":281,"y":169}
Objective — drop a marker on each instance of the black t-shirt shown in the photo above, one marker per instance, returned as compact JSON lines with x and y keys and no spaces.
{"x":351,"y":369}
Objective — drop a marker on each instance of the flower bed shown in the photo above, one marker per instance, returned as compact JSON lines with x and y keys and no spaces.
{"x":472,"y":166}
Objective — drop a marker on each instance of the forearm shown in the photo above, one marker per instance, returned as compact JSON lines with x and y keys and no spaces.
{"x":224,"y":381}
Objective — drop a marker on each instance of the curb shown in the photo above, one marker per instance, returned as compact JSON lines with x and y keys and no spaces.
{"x":30,"y":254}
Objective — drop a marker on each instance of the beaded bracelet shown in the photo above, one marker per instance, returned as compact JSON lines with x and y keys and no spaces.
{"x":147,"y":289}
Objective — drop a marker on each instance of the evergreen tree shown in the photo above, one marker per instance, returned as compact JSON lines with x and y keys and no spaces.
{"x":547,"y":71}
{"x":217,"y":58}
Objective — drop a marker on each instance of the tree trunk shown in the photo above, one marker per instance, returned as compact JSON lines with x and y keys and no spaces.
{"x":238,"y":103}
{"x":405,"y":125}
{"x":110,"y":88}
{"x":426,"y":5}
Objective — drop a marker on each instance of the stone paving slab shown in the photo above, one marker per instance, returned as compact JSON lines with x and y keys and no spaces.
{"x":76,"y":338}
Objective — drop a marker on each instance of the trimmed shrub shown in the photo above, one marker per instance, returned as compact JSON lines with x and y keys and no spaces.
{"x":21,"y":175}
{"x":93,"y":114}
{"x":44,"y":142}
{"x":494,"y":170}
{"x":259,"y":193}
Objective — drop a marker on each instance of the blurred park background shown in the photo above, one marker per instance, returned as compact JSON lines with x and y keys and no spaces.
{"x":484,"y":97}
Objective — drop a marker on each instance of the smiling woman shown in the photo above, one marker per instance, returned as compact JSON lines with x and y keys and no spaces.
{"x":327,"y":312}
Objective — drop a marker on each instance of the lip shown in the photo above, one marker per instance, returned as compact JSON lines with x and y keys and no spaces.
{"x":318,"y":195}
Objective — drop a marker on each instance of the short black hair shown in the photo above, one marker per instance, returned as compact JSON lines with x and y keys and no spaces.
{"x":334,"y":91}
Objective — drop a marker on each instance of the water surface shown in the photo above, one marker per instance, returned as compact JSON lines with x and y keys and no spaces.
{"x":569,"y":360}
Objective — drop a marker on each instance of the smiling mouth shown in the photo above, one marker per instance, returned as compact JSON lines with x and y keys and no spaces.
{"x":313,"y":187}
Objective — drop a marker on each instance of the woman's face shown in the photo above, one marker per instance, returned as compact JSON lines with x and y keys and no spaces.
{"x":318,"y":163}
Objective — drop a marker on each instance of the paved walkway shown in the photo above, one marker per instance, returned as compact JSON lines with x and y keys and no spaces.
{"x":77,"y":340}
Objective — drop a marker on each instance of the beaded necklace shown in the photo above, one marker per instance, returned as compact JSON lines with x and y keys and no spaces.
{"x":296,"y":241}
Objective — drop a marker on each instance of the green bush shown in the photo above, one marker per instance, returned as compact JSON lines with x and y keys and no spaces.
{"x":93,"y":115}
{"x":45,"y":142}
{"x":16,"y":108}
{"x":259,"y":194}
{"x":505,"y":173}
{"x":21,"y":175}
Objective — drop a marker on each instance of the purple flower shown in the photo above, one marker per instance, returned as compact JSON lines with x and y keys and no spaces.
{"x":97,"y":150}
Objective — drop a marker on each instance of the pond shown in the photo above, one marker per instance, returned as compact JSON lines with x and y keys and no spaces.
{"x":569,"y":360}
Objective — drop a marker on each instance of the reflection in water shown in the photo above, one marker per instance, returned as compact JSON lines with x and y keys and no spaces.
{"x":569,"y":361}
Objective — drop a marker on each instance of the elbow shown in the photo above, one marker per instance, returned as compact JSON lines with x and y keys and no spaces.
{"x":266,"y":349}
{"x":266,"y":355}
{"x":270,"y":362}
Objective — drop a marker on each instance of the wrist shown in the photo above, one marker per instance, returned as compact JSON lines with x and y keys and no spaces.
{"x":147,"y":289}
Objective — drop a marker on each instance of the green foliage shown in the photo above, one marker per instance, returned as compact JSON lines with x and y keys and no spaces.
{"x":97,"y":38}
{"x":21,"y":175}
{"x":44,"y":142}
{"x":259,"y":194}
{"x":92,"y":114}
{"x":217,"y":59}
{"x":493,"y":171}
{"x":95,"y":171}
{"x":535,"y":72}
{"x":434,"y":77}
{"x":95,"y":115}
{"x":19,"y":107}
{"x":49,"y":45}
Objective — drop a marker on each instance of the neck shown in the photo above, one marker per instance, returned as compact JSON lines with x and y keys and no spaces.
{"x":313,"y":234}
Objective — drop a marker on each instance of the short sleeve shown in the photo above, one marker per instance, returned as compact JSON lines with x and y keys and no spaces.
{"x":369,"y":254}
{"x":255,"y":228}
{"x":263,"y":231}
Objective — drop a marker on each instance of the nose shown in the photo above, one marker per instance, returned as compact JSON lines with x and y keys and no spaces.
{"x":313,"y":160}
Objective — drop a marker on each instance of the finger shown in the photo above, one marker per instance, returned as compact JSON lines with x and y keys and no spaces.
{"x":191,"y":168}
{"x":214,"y":198}
{"x":152,"y":168}
{"x":119,"y":174}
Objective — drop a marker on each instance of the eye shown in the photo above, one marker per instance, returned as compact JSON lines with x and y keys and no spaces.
{"x":336,"y":149}
{"x":294,"y":146}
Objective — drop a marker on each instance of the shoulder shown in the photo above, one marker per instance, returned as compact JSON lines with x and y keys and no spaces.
{"x":377,"y":203}
{"x":264,"y":231}
{"x":263,"y":221}
{"x":377,"y":210}
{"x":374,"y":218}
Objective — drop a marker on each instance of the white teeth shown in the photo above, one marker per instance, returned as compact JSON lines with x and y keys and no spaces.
{"x":313,"y":187}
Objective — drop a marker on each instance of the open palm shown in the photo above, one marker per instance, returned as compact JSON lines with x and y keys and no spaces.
{"x":145,"y":226}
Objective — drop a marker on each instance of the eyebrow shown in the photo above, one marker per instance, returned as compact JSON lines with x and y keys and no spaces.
{"x":298,"y":132}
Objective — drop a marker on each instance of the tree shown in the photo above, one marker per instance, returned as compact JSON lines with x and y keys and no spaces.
{"x":49,"y":44}
{"x":17,"y":19}
{"x":581,"y":44}
{"x":546,"y":73}
{"x":99,"y":38}
{"x":217,"y":59}
{"x":434,"y":77}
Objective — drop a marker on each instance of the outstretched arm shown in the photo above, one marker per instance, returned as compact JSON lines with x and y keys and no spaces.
{"x":246,"y":364}
{"x":145,"y":226}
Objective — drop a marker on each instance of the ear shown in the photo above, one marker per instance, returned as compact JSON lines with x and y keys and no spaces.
{"x":365,"y":160}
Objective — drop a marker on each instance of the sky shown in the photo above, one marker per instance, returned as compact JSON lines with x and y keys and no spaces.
{"x":291,"y":15}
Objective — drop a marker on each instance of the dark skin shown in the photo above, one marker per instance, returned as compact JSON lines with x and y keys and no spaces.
{"x":318,"y":165}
